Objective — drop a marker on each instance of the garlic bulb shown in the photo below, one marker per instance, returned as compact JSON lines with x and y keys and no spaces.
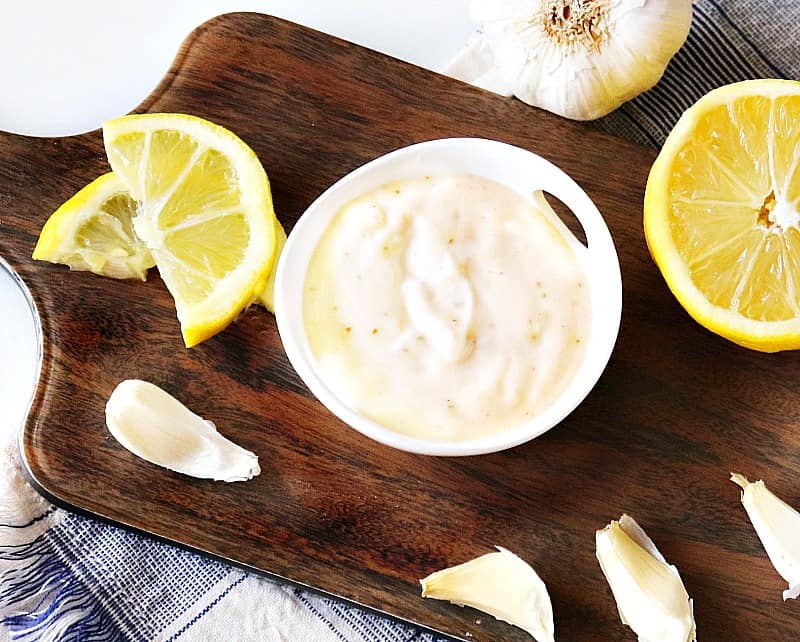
{"x":778,"y":527}
{"x":650,"y":595}
{"x":500,"y":584}
{"x":154,"y":425}
{"x":577,"y":58}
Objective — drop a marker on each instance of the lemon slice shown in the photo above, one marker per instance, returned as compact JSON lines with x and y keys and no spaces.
{"x":93,"y":231}
{"x":205,"y":213}
{"x":722,"y":213}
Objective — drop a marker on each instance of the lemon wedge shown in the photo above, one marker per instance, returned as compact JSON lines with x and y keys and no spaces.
{"x":267,"y":297}
{"x":93,"y":231}
{"x":722,"y":213}
{"x":205,"y":213}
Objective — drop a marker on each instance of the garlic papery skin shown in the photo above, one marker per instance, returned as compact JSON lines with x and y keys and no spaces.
{"x":500,"y":584}
{"x":778,"y":527}
{"x":650,"y":595}
{"x":154,"y":425}
{"x":577,"y":58}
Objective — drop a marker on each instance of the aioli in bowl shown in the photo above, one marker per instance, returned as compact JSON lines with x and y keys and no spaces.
{"x":526,"y":174}
{"x":446,"y":307}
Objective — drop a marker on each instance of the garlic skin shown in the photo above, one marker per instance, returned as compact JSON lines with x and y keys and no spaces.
{"x":158,"y":428}
{"x":778,"y":527}
{"x":650,"y":595}
{"x":577,"y":58}
{"x":500,"y":584}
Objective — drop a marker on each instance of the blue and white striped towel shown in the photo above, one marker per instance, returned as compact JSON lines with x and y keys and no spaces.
{"x":65,"y":577}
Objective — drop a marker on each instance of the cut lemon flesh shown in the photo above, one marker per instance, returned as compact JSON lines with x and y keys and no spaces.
{"x":722,"y":213}
{"x":205,"y":213}
{"x":93,"y":231}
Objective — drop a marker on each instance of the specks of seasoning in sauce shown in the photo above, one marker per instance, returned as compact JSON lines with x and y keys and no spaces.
{"x":453,"y":261}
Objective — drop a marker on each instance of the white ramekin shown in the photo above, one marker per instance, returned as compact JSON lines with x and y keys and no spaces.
{"x":522,"y":171}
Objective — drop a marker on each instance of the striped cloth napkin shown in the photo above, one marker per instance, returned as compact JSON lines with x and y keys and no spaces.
{"x":67,"y":577}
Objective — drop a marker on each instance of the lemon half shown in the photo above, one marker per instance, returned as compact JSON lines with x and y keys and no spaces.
{"x":205,"y":213}
{"x":722,"y":213}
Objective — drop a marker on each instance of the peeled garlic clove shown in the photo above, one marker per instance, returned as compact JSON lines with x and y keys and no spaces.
{"x":157,"y":427}
{"x":500,"y":584}
{"x":649,"y":592}
{"x":578,"y":58}
{"x":778,"y":527}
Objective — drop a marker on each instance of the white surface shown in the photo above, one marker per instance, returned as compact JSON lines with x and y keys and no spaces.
{"x":68,"y":65}
{"x":65,"y":66}
{"x":19,"y":355}
{"x":514,"y":167}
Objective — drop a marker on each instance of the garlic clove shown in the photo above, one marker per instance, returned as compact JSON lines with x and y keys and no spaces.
{"x":500,"y":584}
{"x":160,"y":429}
{"x":578,"y":58}
{"x":778,"y":527}
{"x":650,"y":595}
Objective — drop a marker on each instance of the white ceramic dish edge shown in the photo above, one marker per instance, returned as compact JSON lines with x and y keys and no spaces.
{"x":517,"y":168}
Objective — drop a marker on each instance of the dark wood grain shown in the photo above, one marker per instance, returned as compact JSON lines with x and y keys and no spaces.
{"x":675,"y":411}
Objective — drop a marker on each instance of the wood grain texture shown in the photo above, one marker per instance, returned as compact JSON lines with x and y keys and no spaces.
{"x":675,"y":411}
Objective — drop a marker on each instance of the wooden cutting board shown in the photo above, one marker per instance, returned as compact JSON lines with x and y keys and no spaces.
{"x":675,"y":411}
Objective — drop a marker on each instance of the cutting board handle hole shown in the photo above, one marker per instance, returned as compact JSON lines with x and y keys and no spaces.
{"x":567,"y":217}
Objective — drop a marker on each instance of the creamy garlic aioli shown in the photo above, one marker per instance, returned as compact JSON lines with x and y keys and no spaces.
{"x":446,"y":307}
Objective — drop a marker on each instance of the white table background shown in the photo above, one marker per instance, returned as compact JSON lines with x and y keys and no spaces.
{"x":67,"y":65}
